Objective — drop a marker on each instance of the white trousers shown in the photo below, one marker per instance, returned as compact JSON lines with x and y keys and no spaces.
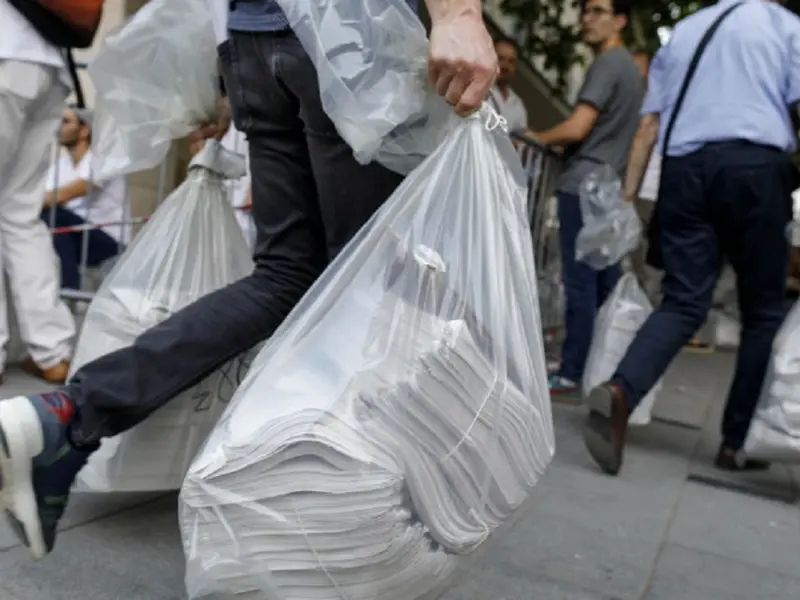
{"x":31,"y":103}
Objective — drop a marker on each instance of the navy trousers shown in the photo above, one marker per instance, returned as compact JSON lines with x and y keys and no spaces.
{"x":727,"y":200}
{"x":585,"y":290}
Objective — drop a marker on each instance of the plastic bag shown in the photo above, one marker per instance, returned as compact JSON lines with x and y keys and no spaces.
{"x":611,"y":228}
{"x":400,"y":414}
{"x":191,"y":246}
{"x":371,"y":62}
{"x":775,"y":430}
{"x":617,"y":322}
{"x":156,"y":81}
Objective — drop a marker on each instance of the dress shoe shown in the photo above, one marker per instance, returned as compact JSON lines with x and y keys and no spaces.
{"x":606,"y":426}
{"x":729,"y":459}
{"x":56,"y":374}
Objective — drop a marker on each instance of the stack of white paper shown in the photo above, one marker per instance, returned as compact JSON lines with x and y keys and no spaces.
{"x":372,"y":489}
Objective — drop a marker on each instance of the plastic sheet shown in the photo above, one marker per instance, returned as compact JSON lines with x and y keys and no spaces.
{"x":140,"y":108}
{"x":190,"y":247}
{"x":371,"y":61}
{"x":400,"y":414}
{"x":611,"y":228}
{"x":775,"y":430}
{"x":617,"y":322}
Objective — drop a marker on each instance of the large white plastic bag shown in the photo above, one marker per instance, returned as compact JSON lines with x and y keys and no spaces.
{"x":190,"y":247}
{"x":155,"y":81}
{"x":617,"y":322}
{"x":775,"y":430}
{"x":611,"y":228}
{"x":371,"y":61}
{"x":399,"y":415}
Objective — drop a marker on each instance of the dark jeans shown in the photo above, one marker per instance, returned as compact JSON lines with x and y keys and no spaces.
{"x":585,"y":290}
{"x":70,"y":246}
{"x":310,"y":197}
{"x":728,"y":200}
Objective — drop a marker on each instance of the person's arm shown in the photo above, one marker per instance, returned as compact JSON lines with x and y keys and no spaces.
{"x":639,"y":156}
{"x":70,"y":191}
{"x":573,"y":130}
{"x":462,"y":63}
{"x":647,"y":133}
{"x":216,"y":129}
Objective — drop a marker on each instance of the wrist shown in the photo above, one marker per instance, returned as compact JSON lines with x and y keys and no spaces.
{"x":445,"y":10}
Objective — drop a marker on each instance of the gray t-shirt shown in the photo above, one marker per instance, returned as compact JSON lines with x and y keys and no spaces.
{"x":614,"y":86}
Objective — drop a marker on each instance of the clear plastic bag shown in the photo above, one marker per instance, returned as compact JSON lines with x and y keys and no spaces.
{"x":617,"y":322}
{"x":371,"y":61}
{"x":775,"y":430}
{"x":190,"y":247}
{"x":399,"y":415}
{"x":156,"y":81}
{"x":611,"y":228}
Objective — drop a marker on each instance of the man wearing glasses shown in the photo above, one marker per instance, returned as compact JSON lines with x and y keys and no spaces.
{"x":599,"y":132}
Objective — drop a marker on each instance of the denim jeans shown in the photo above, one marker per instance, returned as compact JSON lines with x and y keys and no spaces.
{"x":310,"y":197}
{"x":727,"y":200}
{"x":585,"y":289}
{"x":70,"y":246}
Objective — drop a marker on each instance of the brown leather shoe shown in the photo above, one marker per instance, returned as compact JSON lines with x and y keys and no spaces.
{"x":606,"y":426}
{"x":56,"y":375}
{"x":729,"y":459}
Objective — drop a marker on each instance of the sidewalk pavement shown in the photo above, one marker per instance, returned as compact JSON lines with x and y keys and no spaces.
{"x":669,"y":528}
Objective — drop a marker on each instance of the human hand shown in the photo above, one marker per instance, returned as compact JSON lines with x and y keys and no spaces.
{"x":215,"y":129}
{"x":462,"y":63}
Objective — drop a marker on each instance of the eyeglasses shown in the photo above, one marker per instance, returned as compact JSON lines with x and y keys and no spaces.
{"x":595,"y":11}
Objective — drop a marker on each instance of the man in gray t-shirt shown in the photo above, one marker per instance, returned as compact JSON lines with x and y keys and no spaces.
{"x":599,"y":132}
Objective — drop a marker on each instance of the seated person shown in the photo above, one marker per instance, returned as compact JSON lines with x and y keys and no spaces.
{"x":73,"y":199}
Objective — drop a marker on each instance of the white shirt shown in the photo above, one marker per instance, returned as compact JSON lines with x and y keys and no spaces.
{"x":652,"y":177}
{"x":20,"y":41}
{"x":512,"y":108}
{"x":106,"y":203}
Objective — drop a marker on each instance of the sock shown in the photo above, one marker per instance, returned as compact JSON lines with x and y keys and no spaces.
{"x":55,"y":411}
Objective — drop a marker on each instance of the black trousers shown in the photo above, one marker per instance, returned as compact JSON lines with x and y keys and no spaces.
{"x":727,"y":200}
{"x":310,"y":197}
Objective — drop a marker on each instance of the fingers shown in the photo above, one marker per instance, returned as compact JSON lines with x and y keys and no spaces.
{"x":202,"y":133}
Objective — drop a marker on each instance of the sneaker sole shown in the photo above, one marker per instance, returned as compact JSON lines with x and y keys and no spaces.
{"x":21,"y":439}
{"x":597,"y":431}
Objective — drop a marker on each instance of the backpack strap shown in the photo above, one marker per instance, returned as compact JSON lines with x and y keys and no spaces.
{"x":80,"y":99}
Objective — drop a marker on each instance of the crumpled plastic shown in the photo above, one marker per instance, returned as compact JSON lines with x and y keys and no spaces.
{"x":190,"y":247}
{"x":617,"y":323}
{"x":611,"y":228}
{"x":400,"y":415}
{"x":371,"y":62}
{"x":155,"y":80}
{"x":775,"y":430}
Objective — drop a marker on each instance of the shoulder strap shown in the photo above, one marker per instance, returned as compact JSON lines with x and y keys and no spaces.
{"x":698,"y":53}
{"x":80,"y":100}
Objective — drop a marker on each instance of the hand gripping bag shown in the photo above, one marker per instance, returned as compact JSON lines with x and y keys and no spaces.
{"x":371,"y":62}
{"x":775,"y":430}
{"x":156,"y":81}
{"x":191,"y":246}
{"x":617,"y":322}
{"x":400,"y":415}
{"x":611,"y":228}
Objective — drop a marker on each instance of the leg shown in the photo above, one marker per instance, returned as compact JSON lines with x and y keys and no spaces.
{"x":65,"y":247}
{"x":120,"y":389}
{"x":31,"y":101}
{"x":580,"y":287}
{"x":753,"y":186}
{"x":691,"y":255}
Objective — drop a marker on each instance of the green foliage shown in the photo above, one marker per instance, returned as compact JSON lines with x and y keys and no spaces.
{"x":543,"y":31}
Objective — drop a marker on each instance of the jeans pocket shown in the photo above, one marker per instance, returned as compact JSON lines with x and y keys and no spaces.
{"x":230,"y":66}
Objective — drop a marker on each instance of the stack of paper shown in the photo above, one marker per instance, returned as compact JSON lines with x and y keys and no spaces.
{"x":375,"y":489}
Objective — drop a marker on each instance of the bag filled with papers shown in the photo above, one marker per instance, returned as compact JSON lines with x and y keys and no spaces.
{"x":775,"y":430}
{"x":617,"y":322}
{"x":401,"y":413}
{"x":191,"y":246}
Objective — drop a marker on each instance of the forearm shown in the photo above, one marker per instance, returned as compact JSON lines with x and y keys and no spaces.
{"x":563,"y":134}
{"x":439,"y":9}
{"x":639,"y":156}
{"x":66,"y":193}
